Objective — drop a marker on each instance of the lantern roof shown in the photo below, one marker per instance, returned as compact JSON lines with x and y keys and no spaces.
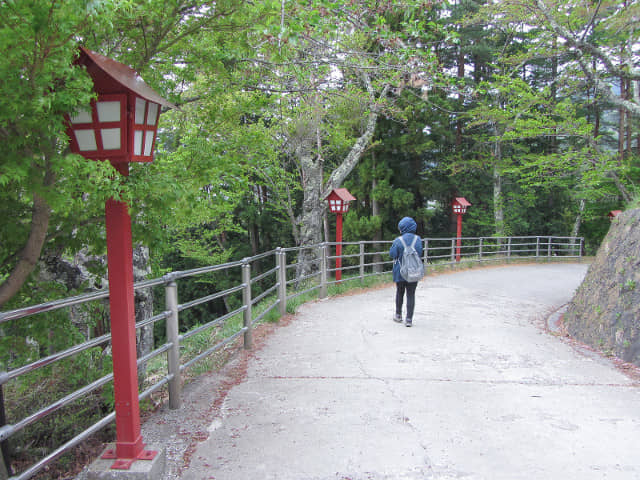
{"x":463,"y":202}
{"x":122,"y":74}
{"x":614,"y":213}
{"x":341,"y":194}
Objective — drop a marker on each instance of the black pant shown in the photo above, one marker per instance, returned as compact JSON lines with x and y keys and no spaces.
{"x":410,"y":288}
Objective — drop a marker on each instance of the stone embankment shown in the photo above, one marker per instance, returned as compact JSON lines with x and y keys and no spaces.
{"x":605,"y":311}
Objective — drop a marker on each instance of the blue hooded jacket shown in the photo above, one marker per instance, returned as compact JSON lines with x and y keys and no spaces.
{"x":407,"y":227}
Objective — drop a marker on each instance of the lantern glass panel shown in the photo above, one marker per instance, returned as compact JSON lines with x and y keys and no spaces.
{"x":108,"y":111}
{"x":137,"y":142}
{"x":148,"y":143}
{"x":110,"y":138}
{"x":83,"y":116}
{"x":152,"y":114}
{"x":86,"y":140}
{"x":140,"y":109}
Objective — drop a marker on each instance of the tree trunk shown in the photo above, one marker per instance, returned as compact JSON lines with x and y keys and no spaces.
{"x":30,"y":254}
{"x":375,"y":211}
{"x":498,"y":205}
{"x":621,"y":124}
{"x":461,"y":61}
{"x":578,"y":222}
{"x":309,"y":222}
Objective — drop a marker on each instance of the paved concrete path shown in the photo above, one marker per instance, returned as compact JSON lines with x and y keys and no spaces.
{"x":477,"y":389}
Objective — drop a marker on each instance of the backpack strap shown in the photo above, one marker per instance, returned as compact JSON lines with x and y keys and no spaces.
{"x":413,"y":243}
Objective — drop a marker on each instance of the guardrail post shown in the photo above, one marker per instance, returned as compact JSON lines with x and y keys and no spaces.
{"x":537,"y":247}
{"x":509,"y":247}
{"x":173,"y":337}
{"x":323,"y":270}
{"x":361,"y":261}
{"x":247,"y":318}
{"x":581,"y":247}
{"x":5,"y":462}
{"x":480,"y":243}
{"x":549,"y":247}
{"x":281,"y":261}
{"x":425,"y":251}
{"x":453,"y":250}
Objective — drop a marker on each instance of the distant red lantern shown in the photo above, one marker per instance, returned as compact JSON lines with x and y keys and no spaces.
{"x":339,"y":199}
{"x":614,"y":213}
{"x":460,"y":205}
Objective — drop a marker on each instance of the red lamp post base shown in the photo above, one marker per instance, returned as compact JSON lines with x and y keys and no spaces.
{"x":125,"y":463}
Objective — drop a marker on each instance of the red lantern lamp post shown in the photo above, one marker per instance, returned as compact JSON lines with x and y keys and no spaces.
{"x":460,"y":205}
{"x":339,"y":199}
{"x":120,"y":126}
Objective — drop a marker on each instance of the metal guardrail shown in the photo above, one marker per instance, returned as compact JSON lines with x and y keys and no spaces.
{"x":279,"y":283}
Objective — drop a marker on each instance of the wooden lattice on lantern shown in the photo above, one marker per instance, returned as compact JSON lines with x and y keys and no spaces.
{"x":339,"y":199}
{"x":121,"y":124}
{"x":460,"y":205}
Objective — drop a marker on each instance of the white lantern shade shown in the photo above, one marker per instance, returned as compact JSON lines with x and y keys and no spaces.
{"x":108,"y":111}
{"x":141,"y":105}
{"x":338,"y":206}
{"x":82,"y":116}
{"x":86,"y":140}
{"x":152,"y":114}
{"x":99,"y":131}
{"x":111,"y":138}
{"x":460,"y":205}
{"x":137,"y":142}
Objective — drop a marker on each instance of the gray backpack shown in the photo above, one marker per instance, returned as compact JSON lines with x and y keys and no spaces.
{"x":411,"y":267}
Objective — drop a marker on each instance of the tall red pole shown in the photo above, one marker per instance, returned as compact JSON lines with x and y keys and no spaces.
{"x":339,"y":247}
{"x":129,"y":443}
{"x":459,"y":237}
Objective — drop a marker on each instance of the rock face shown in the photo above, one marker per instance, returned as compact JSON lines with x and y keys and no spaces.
{"x":605,"y":311}
{"x":75,"y":274}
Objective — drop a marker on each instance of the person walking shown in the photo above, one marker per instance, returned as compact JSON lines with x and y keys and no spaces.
{"x":407,"y":227}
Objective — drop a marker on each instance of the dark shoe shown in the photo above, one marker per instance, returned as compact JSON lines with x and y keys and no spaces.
{"x":397,"y":318}
{"x":408,"y":322}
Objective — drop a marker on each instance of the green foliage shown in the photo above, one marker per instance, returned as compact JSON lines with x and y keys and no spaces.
{"x":482,"y":101}
{"x":39,"y":389}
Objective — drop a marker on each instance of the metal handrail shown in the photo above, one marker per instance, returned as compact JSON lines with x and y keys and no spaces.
{"x":281,"y":282}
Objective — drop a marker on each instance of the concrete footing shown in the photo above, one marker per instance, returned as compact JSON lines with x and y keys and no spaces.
{"x":140,"y":469}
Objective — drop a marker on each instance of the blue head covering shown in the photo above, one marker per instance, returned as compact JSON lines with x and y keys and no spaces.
{"x":407,"y":225}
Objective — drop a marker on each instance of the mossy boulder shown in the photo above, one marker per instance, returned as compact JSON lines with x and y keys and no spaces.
{"x":605,"y":311}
